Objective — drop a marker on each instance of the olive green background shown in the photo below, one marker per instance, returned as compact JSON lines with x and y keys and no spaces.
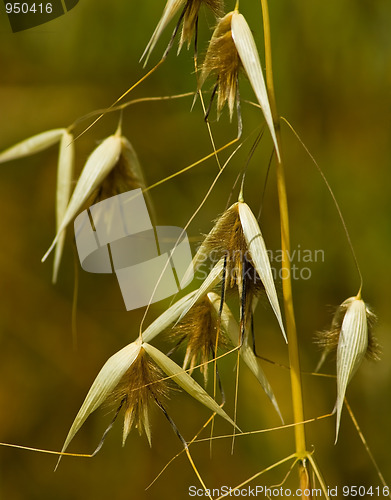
{"x":332,"y":63}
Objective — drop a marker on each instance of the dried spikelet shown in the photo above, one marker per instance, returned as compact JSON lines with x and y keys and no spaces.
{"x":105,"y":382}
{"x":32,"y":145}
{"x":231,"y":328}
{"x":231,"y":48}
{"x":198,"y":329}
{"x":184,"y":380}
{"x":112,"y":168}
{"x":65,"y":168}
{"x":191,"y":15}
{"x":350,"y":334}
{"x":124,"y":176}
{"x":222,"y":59}
{"x":130,"y":369}
{"x":226,"y":240}
{"x":248,"y":53}
{"x":328,"y":340}
{"x":99,"y":164}
{"x":140,"y":385}
{"x":237,"y":238}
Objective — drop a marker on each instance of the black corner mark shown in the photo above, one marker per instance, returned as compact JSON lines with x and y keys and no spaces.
{"x":24,"y":15}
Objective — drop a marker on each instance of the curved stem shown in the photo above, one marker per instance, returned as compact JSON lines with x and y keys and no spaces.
{"x":341,"y":217}
{"x":297,"y":397}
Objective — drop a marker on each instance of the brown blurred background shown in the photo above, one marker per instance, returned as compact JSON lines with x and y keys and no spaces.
{"x":332,"y":63}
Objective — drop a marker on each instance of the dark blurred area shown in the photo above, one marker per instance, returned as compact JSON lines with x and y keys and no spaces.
{"x":332,"y":69}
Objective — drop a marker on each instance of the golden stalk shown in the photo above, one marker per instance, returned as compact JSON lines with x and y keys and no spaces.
{"x":294,"y":360}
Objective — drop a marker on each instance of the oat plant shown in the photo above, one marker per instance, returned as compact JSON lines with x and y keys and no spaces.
{"x":213,"y":324}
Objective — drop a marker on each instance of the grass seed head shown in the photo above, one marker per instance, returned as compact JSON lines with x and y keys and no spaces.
{"x":32,"y":145}
{"x":227,"y":240}
{"x":125,"y":175}
{"x":104,"y":384}
{"x":237,"y":240}
{"x":65,"y":169}
{"x":329,"y":339}
{"x":222,"y":59}
{"x":199,"y":330}
{"x":191,"y":15}
{"x":352,"y":325}
{"x":141,"y":384}
{"x":97,"y":167}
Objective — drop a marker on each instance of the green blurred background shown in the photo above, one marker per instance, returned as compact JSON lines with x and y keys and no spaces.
{"x":332,"y":63}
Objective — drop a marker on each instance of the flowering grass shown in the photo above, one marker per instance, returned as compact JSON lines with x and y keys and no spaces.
{"x":240,"y":314}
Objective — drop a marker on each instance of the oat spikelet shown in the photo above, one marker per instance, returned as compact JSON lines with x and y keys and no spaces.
{"x":105,"y":382}
{"x":32,"y":145}
{"x":237,"y":238}
{"x":185,"y":381}
{"x":351,"y":336}
{"x":191,"y":15}
{"x":141,"y":385}
{"x":222,"y":59}
{"x":99,"y":164}
{"x":130,"y":376}
{"x":112,"y":168}
{"x":231,"y":328}
{"x":198,"y":330}
{"x":65,"y":168}
{"x":226,"y":240}
{"x":328,"y":340}
{"x":231,"y":48}
{"x":249,"y":57}
{"x":124,"y":176}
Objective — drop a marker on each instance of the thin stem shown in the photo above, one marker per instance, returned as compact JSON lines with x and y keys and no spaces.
{"x":366,"y":446}
{"x":202,"y":98}
{"x":345,"y":228}
{"x":123,"y":95}
{"x":75,"y":298}
{"x":240,"y":486}
{"x":297,"y":397}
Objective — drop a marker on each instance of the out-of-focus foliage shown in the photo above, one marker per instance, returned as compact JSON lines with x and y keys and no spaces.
{"x":333,"y":79}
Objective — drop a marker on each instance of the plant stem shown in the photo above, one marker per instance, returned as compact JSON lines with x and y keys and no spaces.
{"x":294,"y":361}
